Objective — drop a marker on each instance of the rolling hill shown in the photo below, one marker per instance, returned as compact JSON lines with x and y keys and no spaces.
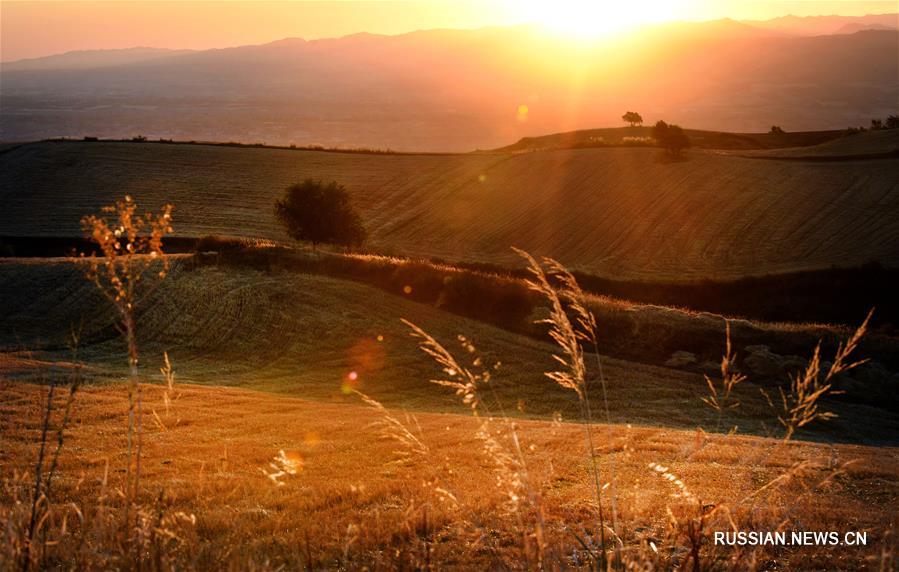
{"x":307,"y":425}
{"x":872,"y":143}
{"x":297,"y":334}
{"x":302,"y":334}
{"x":617,"y":212}
{"x":699,"y":139}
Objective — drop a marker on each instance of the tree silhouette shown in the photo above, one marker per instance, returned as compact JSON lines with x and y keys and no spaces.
{"x":671,"y":138}
{"x":316,"y":212}
{"x":633,"y":118}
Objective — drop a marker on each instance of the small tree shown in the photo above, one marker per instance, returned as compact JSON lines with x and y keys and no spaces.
{"x":318,"y":212}
{"x":876,"y":124}
{"x":131,"y":246}
{"x":777,"y":130}
{"x":633,"y":118}
{"x":892,"y":122}
{"x":671,"y":138}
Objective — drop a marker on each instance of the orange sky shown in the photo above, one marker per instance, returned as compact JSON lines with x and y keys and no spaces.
{"x":38,"y":28}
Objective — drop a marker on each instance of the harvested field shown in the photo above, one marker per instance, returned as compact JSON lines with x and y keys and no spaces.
{"x":614,"y":212}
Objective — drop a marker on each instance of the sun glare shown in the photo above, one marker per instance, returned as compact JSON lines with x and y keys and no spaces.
{"x":588,"y":19}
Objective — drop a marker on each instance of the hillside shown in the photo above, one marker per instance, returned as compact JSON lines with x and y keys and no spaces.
{"x":613,"y":212}
{"x":217,"y":324}
{"x":326,"y":328}
{"x":870,"y":143}
{"x":699,"y":139}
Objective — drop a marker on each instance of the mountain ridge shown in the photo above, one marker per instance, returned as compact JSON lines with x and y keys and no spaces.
{"x":458,"y":90}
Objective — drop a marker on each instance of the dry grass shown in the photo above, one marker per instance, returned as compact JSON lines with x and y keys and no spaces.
{"x":301,"y":484}
{"x":208,"y":463}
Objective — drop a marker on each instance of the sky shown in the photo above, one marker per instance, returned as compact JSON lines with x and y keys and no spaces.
{"x":35,"y":28}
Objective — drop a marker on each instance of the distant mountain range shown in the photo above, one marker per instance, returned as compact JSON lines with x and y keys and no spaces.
{"x":823,"y":25}
{"x":465,"y":89}
{"x":86,"y":59}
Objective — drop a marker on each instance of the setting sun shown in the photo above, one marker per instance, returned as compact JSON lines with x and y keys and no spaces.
{"x":589,"y":19}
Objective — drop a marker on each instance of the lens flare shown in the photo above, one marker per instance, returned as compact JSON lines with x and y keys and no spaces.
{"x":523,"y":113}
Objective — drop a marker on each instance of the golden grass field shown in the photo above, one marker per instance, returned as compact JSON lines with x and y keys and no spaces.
{"x":616,"y":212}
{"x":309,"y":423}
{"x":352,"y":504}
{"x":443,"y":492}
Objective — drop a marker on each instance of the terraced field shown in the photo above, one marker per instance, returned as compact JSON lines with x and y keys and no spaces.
{"x":615,"y":212}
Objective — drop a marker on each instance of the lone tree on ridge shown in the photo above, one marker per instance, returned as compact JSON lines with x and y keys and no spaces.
{"x":633,"y":118}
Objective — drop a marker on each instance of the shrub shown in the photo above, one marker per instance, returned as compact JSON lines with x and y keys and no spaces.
{"x":671,"y":138}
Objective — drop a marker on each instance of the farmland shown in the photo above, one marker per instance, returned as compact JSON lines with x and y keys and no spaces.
{"x":266,"y":443}
{"x":437,"y":286}
{"x":613,"y":212}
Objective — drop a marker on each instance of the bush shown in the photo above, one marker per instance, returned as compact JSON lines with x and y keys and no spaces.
{"x":671,"y":138}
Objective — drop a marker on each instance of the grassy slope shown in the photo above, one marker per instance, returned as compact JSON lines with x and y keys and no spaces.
{"x":208,"y":452}
{"x":617,"y":212}
{"x":302,"y":334}
{"x":866,"y":143}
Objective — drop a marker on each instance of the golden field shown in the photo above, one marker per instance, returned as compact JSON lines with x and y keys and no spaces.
{"x":300,"y":468}
{"x":255,"y":406}
{"x":355,"y":502}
